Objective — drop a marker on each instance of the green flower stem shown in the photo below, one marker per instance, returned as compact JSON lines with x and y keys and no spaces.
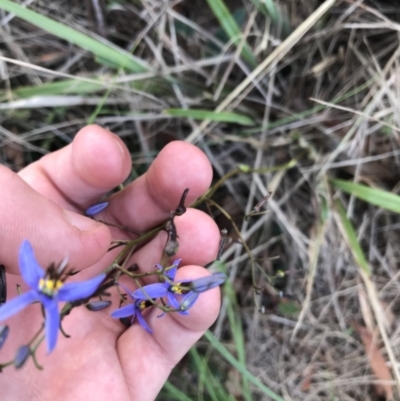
{"x":131,"y":244}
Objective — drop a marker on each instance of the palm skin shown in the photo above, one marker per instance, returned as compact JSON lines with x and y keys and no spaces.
{"x":101,"y":359}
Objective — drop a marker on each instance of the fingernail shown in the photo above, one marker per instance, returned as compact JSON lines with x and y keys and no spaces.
{"x":81,"y":222}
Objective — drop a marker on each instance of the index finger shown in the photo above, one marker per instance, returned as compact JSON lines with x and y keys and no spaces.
{"x":149,"y":199}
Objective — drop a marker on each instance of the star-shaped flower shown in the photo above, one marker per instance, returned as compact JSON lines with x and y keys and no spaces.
{"x":48,"y":289}
{"x":189,"y":289}
{"x":134,"y":309}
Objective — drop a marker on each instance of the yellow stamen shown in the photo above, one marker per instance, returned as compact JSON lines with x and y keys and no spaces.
{"x":49,"y":287}
{"x":177,"y":289}
{"x":142,"y":305}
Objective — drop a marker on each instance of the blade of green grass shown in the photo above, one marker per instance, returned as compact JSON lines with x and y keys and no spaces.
{"x":69,"y":86}
{"x":271,"y":10}
{"x":242,"y":369}
{"x":231,"y":28}
{"x":351,"y":237}
{"x":378,"y":197}
{"x":102,"y":49}
{"x":235,"y":325}
{"x":80,"y":87}
{"x":214,"y":387}
{"x":175,"y":393}
{"x":226,"y":117}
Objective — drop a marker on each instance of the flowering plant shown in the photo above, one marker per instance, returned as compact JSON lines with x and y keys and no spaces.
{"x":48,"y":288}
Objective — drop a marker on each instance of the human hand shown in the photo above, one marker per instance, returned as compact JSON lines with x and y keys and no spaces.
{"x":44,"y":204}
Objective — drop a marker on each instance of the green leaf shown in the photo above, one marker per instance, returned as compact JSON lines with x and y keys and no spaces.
{"x":351,"y":237}
{"x":175,"y":393}
{"x":102,"y":49}
{"x":231,"y":28}
{"x":211,"y":115}
{"x":378,"y":197}
{"x":68,"y":86}
{"x":271,"y":10}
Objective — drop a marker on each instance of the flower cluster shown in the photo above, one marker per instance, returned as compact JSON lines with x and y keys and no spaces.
{"x":48,"y":288}
{"x":180,"y":295}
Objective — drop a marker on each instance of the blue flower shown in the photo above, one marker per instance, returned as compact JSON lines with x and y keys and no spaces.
{"x":135,"y":310}
{"x":189,"y":289}
{"x":48,"y":289}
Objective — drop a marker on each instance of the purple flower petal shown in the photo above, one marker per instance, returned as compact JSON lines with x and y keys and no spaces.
{"x":97,"y":208}
{"x":30,"y":269}
{"x":16,"y":304}
{"x":52,"y":325}
{"x":143,"y":323}
{"x":174,"y":303}
{"x":73,"y":291}
{"x":125,"y":311}
{"x":172,"y":273}
{"x":156,"y":290}
{"x":206,"y":283}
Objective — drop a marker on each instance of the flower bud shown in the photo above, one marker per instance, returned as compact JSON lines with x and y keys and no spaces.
{"x":4,"y":330}
{"x":189,"y":300}
{"x":206,"y":283}
{"x":98,"y":305}
{"x":171,"y":248}
{"x":95,"y":209}
{"x":21,"y":356}
{"x":3,"y":285}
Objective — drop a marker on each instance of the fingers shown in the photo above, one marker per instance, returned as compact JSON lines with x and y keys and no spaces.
{"x":198,"y":242}
{"x":145,"y":355}
{"x":147,"y":359}
{"x":149,"y":199}
{"x":53,"y":232}
{"x":77,"y":175}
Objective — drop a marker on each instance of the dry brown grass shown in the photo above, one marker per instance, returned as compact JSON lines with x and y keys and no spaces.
{"x":349,"y":59}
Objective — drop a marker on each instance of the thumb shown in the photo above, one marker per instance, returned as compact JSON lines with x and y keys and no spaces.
{"x":53,"y":232}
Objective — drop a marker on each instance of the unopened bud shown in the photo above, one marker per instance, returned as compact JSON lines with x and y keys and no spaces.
{"x":244,"y":168}
{"x":206,"y":283}
{"x":96,"y":209}
{"x":4,"y":330}
{"x":181,"y":208}
{"x":98,"y":305}
{"x":171,"y":248}
{"x":189,"y":300}
{"x":21,"y":356}
{"x":3,"y":285}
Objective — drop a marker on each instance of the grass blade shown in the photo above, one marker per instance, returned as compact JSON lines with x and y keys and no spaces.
{"x":237,"y":331}
{"x":242,"y":369}
{"x":378,"y":197}
{"x":211,"y":116}
{"x":175,"y":393}
{"x":102,"y":49}
{"x":231,"y":28}
{"x":271,"y":10}
{"x":350,"y":235}
{"x":207,"y":379}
